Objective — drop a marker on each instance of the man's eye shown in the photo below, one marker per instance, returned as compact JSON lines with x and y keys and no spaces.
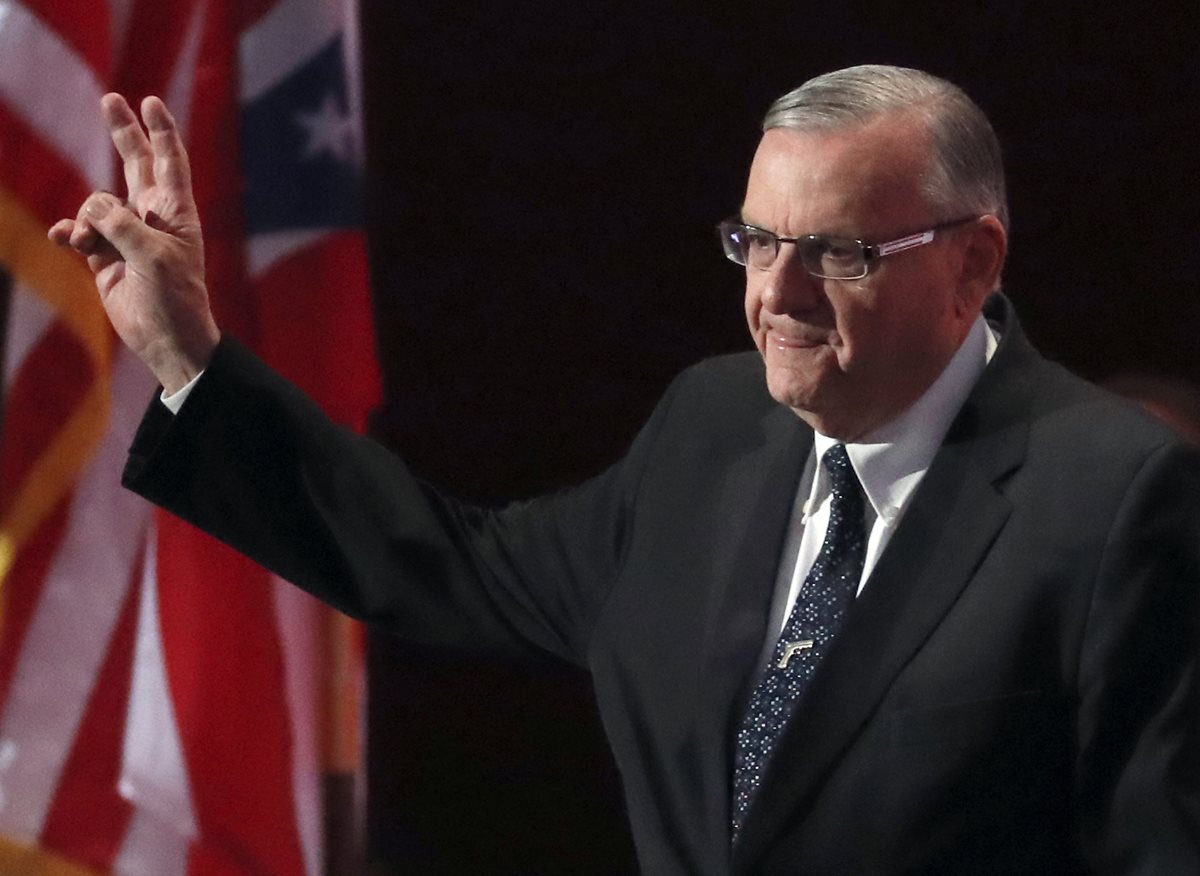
{"x":759,"y":240}
{"x":837,"y":250}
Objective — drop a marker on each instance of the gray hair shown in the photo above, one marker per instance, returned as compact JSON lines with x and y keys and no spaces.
{"x":966,"y":174}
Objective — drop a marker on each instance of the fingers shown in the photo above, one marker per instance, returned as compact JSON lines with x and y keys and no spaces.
{"x":84,"y":238}
{"x":60,"y":232}
{"x":133,"y":146}
{"x":78,"y":233}
{"x":158,"y":159}
{"x":104,"y":218}
{"x":107,"y":229}
{"x":170,"y":158}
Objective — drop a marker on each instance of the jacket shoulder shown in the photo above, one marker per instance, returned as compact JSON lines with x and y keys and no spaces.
{"x":737,"y":379}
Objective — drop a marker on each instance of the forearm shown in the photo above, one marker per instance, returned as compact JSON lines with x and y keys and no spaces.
{"x":254,"y":462}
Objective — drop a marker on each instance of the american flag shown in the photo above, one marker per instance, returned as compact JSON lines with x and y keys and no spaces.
{"x":166,"y":707}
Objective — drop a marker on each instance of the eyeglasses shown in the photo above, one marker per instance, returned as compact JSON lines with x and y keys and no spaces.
{"x":830,"y":258}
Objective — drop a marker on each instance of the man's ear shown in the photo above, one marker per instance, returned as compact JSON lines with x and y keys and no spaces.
{"x":982,"y":262}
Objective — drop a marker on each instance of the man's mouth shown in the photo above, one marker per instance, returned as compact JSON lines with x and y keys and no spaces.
{"x":792,"y":340}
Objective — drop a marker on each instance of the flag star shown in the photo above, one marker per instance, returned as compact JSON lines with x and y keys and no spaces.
{"x":329,"y":130}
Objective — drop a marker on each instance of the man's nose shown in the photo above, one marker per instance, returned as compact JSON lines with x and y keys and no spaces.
{"x":789,"y":287}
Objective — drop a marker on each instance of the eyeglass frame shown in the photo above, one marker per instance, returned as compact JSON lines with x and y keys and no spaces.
{"x":871,"y":252}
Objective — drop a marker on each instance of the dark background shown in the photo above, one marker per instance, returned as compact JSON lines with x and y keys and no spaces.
{"x":544,"y":182}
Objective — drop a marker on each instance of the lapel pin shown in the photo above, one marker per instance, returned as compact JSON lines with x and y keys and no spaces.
{"x":791,"y":650}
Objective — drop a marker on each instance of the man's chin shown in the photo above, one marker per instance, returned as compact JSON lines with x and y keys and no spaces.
{"x":810,"y":404}
{"x":800,"y":396}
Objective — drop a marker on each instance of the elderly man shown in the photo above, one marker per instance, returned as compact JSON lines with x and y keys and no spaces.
{"x":891,"y":595}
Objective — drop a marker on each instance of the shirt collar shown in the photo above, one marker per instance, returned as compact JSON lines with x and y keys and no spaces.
{"x":891,"y":460}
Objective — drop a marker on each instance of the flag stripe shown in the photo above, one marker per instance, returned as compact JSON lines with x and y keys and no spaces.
{"x":77,"y":88}
{"x":23,"y":588}
{"x":28,"y":318}
{"x":309,"y":350}
{"x":79,"y":603}
{"x":152,"y":847}
{"x":59,"y":22}
{"x":228,"y":729}
{"x":153,"y":773}
{"x":87,"y":793}
{"x":169,"y":70}
{"x":51,"y":385}
{"x":120,"y":17}
{"x":292,"y":30}
{"x":49,"y":188}
{"x":299,"y":618}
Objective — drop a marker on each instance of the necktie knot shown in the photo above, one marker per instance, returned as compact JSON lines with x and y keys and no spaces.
{"x":846,"y":504}
{"x":841,"y":472}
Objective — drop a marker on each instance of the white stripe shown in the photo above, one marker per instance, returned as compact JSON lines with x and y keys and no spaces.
{"x":298,"y":618}
{"x":153,"y":773}
{"x":350,"y":61}
{"x":292,"y":32}
{"x":264,"y":250}
{"x":151,"y":849}
{"x":55,"y":91}
{"x":76,"y":613}
{"x":28,"y":319}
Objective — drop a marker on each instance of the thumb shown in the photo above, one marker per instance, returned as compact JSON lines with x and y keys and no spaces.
{"x":119,"y":225}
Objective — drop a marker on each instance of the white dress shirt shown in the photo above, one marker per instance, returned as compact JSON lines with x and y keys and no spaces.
{"x":175,"y":400}
{"x":890,"y":462}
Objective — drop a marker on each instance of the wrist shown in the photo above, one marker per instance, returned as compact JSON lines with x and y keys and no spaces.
{"x":176,"y":362}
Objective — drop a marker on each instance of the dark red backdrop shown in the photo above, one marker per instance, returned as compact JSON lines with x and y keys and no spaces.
{"x":544,"y":181}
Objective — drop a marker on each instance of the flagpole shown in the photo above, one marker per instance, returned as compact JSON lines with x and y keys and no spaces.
{"x":5,"y":307}
{"x":342,"y":746}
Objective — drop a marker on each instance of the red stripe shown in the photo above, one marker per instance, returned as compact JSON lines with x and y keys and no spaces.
{"x":56,"y":374}
{"x":152,"y":49}
{"x":88,"y":819}
{"x":23,"y":589}
{"x":48,"y":186}
{"x":225,"y":669}
{"x":249,"y":12}
{"x":83,"y":26}
{"x":216,"y":170}
{"x":315,"y":308}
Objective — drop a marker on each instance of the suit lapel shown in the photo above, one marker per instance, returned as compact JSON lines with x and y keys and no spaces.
{"x":760,"y":486}
{"x":951,"y":523}
{"x":953,"y":520}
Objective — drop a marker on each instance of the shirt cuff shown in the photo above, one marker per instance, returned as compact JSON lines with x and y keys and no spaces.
{"x":175,"y":400}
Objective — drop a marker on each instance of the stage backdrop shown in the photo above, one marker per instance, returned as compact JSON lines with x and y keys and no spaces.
{"x":545,"y":178}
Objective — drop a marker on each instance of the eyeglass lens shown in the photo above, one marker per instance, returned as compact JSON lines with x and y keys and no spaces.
{"x":830,"y":257}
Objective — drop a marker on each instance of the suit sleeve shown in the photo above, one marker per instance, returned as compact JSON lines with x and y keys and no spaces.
{"x":251,"y":460}
{"x":1138,"y":730}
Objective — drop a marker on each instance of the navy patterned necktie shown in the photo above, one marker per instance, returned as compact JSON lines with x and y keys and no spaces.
{"x":820,"y":608}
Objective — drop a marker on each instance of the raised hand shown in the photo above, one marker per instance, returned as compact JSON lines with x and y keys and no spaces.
{"x":147,"y":252}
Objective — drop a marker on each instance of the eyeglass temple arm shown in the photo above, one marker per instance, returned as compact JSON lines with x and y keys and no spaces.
{"x":893,"y":246}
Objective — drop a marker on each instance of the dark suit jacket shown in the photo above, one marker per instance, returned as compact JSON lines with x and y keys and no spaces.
{"x":1014,"y":691}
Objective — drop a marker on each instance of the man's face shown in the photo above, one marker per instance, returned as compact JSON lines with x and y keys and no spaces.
{"x":850,"y":355}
